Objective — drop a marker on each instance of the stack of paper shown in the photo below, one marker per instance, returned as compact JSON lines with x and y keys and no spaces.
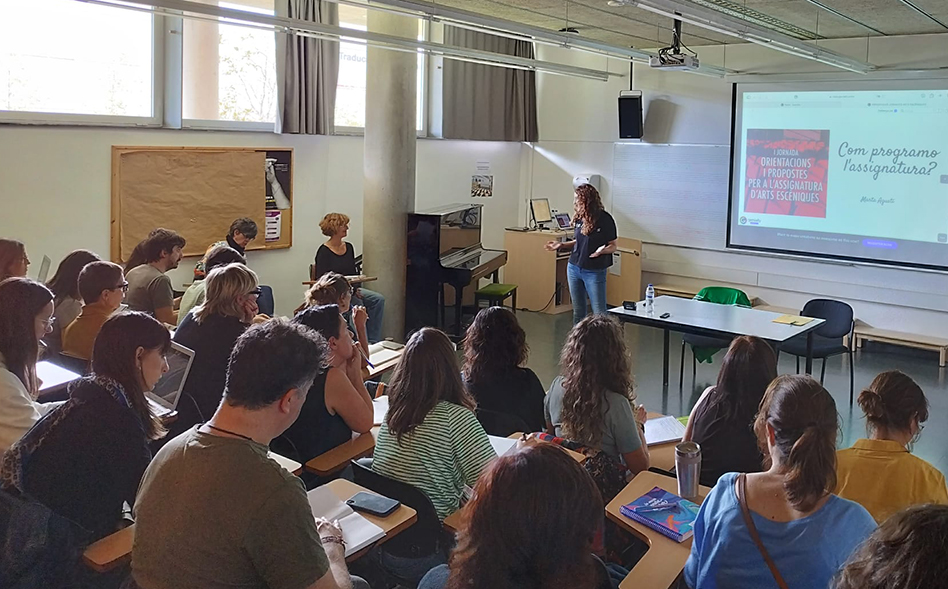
{"x":379,"y":354}
{"x":795,"y":320}
{"x":357,"y":531}
{"x":502,"y":445}
{"x":380,"y":407}
{"x":663,"y":429}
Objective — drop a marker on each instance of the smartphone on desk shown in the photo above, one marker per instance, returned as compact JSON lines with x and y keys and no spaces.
{"x":373,"y":504}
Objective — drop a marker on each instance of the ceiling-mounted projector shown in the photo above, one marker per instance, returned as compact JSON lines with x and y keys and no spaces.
{"x":673,"y":61}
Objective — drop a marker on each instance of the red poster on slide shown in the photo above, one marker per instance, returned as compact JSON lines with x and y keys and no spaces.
{"x":786,"y":172}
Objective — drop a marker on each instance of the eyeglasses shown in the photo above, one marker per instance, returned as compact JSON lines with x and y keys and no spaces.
{"x":257,"y":291}
{"x":123,"y":286}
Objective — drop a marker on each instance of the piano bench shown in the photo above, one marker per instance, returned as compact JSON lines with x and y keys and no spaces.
{"x":495,"y":294}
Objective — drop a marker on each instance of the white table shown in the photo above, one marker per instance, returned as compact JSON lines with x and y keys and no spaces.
{"x":714,"y":320}
{"x":54,"y":377}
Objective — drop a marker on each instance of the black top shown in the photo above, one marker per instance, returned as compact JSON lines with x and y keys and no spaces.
{"x":726,"y":445}
{"x":315,"y":431}
{"x":517,"y":392}
{"x":90,"y":462}
{"x":212,"y":342}
{"x":328,"y":261}
{"x":603,"y":233}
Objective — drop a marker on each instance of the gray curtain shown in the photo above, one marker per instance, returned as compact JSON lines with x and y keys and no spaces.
{"x":484,"y":102}
{"x":307,"y":71}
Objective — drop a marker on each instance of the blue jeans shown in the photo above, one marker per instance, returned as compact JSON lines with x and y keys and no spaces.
{"x":582,"y":282}
{"x":374,"y":304}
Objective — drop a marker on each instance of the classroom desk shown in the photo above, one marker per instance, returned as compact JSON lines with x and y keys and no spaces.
{"x":55,"y":378}
{"x":394,"y":524}
{"x":354,"y":280}
{"x":291,"y":465}
{"x":340,"y":456}
{"x":721,"y":321}
{"x":665,"y":558}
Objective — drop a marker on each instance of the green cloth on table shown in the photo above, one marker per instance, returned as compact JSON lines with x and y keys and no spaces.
{"x":720,"y":295}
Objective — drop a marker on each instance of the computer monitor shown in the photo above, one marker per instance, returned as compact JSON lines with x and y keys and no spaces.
{"x":541,"y":210}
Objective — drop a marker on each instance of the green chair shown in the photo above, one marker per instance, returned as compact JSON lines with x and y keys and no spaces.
{"x":704,"y":347}
{"x":495,"y":294}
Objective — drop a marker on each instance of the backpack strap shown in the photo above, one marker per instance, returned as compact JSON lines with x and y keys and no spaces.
{"x":749,"y":522}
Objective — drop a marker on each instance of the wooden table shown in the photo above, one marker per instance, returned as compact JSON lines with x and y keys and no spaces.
{"x":394,"y":524}
{"x":354,"y":279}
{"x":340,"y":456}
{"x":665,"y":558}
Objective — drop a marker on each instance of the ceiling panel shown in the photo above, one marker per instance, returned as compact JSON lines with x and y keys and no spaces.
{"x":890,"y":16}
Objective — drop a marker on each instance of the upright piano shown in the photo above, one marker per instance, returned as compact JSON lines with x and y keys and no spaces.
{"x":444,"y":247}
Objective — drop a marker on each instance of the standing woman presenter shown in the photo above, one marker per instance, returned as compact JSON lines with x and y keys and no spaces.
{"x":594,"y":241}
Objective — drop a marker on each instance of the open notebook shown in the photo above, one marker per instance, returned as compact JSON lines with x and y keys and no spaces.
{"x":663,"y":429}
{"x":357,"y":531}
{"x":379,"y":354}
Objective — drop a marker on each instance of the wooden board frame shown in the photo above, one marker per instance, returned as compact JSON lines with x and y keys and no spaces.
{"x":115,"y":241}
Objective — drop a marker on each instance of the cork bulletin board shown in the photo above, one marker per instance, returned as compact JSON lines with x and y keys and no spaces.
{"x":198,"y":192}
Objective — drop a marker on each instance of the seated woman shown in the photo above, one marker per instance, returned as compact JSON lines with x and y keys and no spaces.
{"x":211,"y":330}
{"x":907,"y":551}
{"x":338,"y":403}
{"x":495,"y":349}
{"x":547,"y":510}
{"x":26,"y":315}
{"x":217,"y":255}
{"x":13,"y":259}
{"x":338,"y":256}
{"x":592,"y":402}
{"x":102,"y":286}
{"x":880,"y":473}
{"x":806,"y":530}
{"x":430,"y":438}
{"x":334,"y":289}
{"x":86,"y":457}
{"x":722,"y":421}
{"x":67,"y":300}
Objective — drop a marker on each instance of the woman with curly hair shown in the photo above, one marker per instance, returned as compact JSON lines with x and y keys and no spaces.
{"x":594,"y":241}
{"x":591,"y":403}
{"x":905,"y":552}
{"x":495,"y":349}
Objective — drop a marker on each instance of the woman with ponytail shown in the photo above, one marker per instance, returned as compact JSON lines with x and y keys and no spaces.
{"x":781,"y":527}
{"x":880,"y":473}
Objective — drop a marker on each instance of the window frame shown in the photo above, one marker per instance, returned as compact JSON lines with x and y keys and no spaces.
{"x":22,"y":117}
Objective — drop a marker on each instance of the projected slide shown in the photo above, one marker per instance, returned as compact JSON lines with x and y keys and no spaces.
{"x":852,"y":174}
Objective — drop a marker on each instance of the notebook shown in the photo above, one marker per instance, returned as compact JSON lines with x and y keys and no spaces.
{"x":379,"y":354}
{"x":676,"y":520}
{"x":380,"y":408}
{"x":357,"y":531}
{"x":502,"y":445}
{"x":661,"y":430}
{"x":793,"y":320}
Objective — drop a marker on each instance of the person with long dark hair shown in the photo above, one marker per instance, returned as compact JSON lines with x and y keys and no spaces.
{"x":26,"y":315}
{"x":495,"y":351}
{"x":787,"y":514}
{"x":879,"y":472}
{"x":530,"y":525}
{"x":592,"y":402}
{"x":722,"y":420}
{"x":13,"y":259}
{"x":592,"y":246}
{"x":86,"y":458}
{"x":907,"y":551}
{"x":67,"y":301}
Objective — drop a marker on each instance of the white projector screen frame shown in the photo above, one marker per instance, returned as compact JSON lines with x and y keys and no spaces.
{"x":755,"y":230}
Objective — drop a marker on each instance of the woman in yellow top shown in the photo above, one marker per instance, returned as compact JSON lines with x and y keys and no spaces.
{"x":880,"y":473}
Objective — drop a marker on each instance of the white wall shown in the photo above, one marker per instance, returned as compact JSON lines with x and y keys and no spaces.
{"x":578,"y":127}
{"x":55,"y":192}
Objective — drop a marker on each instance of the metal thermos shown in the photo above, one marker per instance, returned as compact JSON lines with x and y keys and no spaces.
{"x":688,"y":468}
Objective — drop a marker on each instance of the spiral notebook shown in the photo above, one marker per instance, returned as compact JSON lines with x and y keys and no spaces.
{"x":665,"y":513}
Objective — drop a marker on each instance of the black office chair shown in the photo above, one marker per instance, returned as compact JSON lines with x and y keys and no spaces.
{"x":827,"y":338}
{"x":426,"y":536}
{"x":500,"y":424}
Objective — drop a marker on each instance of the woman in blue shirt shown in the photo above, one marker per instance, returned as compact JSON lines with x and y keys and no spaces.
{"x":807,"y":531}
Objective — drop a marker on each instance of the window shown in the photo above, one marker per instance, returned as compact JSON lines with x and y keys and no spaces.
{"x":229,"y":71}
{"x":64,"y":58}
{"x":350,"y":89}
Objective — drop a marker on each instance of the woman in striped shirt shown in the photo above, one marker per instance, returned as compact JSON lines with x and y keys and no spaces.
{"x":431,"y":438}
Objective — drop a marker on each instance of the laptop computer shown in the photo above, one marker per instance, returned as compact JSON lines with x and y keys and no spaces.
{"x":163,"y":399}
{"x":44,"y":270}
{"x":564,"y":221}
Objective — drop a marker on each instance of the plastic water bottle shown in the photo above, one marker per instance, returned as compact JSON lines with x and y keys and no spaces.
{"x":649,"y":299}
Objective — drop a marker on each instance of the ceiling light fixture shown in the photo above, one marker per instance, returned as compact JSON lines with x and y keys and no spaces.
{"x":187,"y":9}
{"x":735,"y":27}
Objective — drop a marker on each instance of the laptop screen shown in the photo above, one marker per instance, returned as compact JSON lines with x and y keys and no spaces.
{"x":563,"y":220}
{"x":169,"y":387}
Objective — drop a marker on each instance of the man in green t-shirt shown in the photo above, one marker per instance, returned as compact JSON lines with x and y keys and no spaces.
{"x":213,"y":511}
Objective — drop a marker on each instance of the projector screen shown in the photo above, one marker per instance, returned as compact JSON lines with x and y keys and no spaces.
{"x":848,"y":170}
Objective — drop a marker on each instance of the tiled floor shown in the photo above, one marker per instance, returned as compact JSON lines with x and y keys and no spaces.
{"x":546,"y":334}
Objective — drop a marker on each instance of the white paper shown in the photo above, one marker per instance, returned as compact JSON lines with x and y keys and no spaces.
{"x":380,"y":406}
{"x":274,"y":227}
{"x":53,"y":375}
{"x":379,"y":354}
{"x":502,"y":445}
{"x":357,"y":531}
{"x":286,"y":463}
{"x":663,"y":429}
{"x":616,"y":268}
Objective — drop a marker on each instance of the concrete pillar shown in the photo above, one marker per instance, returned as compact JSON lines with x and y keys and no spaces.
{"x":390,"y":137}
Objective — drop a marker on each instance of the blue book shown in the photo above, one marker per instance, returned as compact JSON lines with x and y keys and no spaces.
{"x":665,"y":513}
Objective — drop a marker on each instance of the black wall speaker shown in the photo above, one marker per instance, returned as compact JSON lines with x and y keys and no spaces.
{"x":631,"y":124}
